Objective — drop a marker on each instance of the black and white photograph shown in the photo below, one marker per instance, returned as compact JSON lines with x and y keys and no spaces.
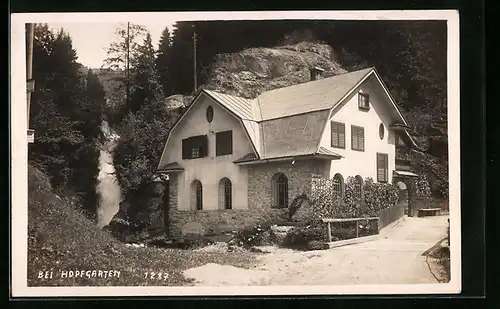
{"x":235,"y":153}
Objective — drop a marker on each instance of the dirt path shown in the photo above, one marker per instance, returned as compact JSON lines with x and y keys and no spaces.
{"x":394,"y":258}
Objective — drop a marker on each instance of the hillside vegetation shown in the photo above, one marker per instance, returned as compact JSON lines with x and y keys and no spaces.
{"x":61,"y":237}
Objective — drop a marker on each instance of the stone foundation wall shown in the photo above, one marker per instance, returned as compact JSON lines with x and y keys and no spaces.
{"x":260,"y":199}
{"x":299,"y":177}
{"x":218,"y":222}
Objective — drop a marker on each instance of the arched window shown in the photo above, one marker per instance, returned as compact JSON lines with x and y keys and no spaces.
{"x":338,"y":185}
{"x":225,"y":194}
{"x":358,"y":186}
{"x":196,"y":195}
{"x":280,"y":190}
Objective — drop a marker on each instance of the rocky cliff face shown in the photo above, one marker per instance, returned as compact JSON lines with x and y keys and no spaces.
{"x":252,"y":71}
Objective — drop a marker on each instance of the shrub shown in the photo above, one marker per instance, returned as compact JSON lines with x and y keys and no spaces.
{"x":297,"y":203}
{"x":422,"y":186}
{"x":378,"y":196}
{"x":247,"y":237}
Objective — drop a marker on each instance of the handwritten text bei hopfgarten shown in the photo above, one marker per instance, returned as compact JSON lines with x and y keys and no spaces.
{"x":64,"y":274}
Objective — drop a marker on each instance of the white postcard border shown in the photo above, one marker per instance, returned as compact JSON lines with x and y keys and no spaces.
{"x":19,"y":155}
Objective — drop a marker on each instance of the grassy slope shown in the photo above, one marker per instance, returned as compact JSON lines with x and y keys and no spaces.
{"x":61,"y":238}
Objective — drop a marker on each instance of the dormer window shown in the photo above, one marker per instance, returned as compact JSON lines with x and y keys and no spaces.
{"x":363,"y":101}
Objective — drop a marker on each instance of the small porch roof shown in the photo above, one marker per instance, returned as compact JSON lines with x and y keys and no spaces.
{"x":399,"y":126}
{"x":170,"y":168}
{"x":404,"y":173}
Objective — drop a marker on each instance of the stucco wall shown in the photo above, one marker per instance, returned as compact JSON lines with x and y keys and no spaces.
{"x":211,"y":169}
{"x":363,"y":163}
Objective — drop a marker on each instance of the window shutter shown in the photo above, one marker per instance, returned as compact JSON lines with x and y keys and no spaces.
{"x":354,"y":137}
{"x":335,"y":136}
{"x":203,"y":144}
{"x":229,"y":142}
{"x":361,"y":139}
{"x":218,"y":144}
{"x":342,"y":135}
{"x":185,"y":149}
{"x":223,"y":143}
{"x":380,"y":169}
{"x":386,"y":167}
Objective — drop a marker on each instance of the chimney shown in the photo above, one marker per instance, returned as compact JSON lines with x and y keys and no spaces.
{"x":316,"y":73}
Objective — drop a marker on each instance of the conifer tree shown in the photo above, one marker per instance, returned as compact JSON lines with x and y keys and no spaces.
{"x":163,"y":61}
{"x":145,"y":85}
{"x":119,"y":56}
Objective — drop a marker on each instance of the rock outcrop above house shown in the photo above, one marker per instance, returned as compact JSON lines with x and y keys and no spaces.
{"x":252,"y":71}
{"x":178,"y":101}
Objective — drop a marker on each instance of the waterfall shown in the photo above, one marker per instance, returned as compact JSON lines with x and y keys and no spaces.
{"x":107,"y":188}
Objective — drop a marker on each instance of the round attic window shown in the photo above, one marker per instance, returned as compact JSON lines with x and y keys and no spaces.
{"x":381,"y":131}
{"x":210,"y":114}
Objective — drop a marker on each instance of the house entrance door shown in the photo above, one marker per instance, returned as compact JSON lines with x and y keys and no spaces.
{"x":403,"y":200}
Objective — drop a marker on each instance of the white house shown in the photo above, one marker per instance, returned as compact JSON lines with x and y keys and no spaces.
{"x":233,"y":161}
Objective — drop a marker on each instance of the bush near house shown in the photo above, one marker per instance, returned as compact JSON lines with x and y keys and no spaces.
{"x":325,"y":204}
{"x":256,"y":235}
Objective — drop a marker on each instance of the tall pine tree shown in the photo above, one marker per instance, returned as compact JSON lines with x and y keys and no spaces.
{"x":145,"y":85}
{"x":119,"y":54}
{"x":163,"y":61}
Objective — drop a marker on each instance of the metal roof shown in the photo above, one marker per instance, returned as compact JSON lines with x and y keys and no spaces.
{"x":240,"y":106}
{"x":293,"y":135}
{"x":287,"y":101}
{"x":289,"y":121}
{"x":310,"y":96}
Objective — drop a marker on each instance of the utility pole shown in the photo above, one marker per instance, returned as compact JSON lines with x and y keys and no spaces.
{"x":194,"y":59}
{"x":127,"y":86}
{"x":30,"y":83}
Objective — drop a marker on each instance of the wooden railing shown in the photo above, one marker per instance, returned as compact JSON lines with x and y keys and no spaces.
{"x":329,"y":221}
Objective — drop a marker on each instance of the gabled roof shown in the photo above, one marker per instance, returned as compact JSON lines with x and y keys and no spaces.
{"x":297,"y":99}
{"x":290,"y":121}
{"x":310,"y":96}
